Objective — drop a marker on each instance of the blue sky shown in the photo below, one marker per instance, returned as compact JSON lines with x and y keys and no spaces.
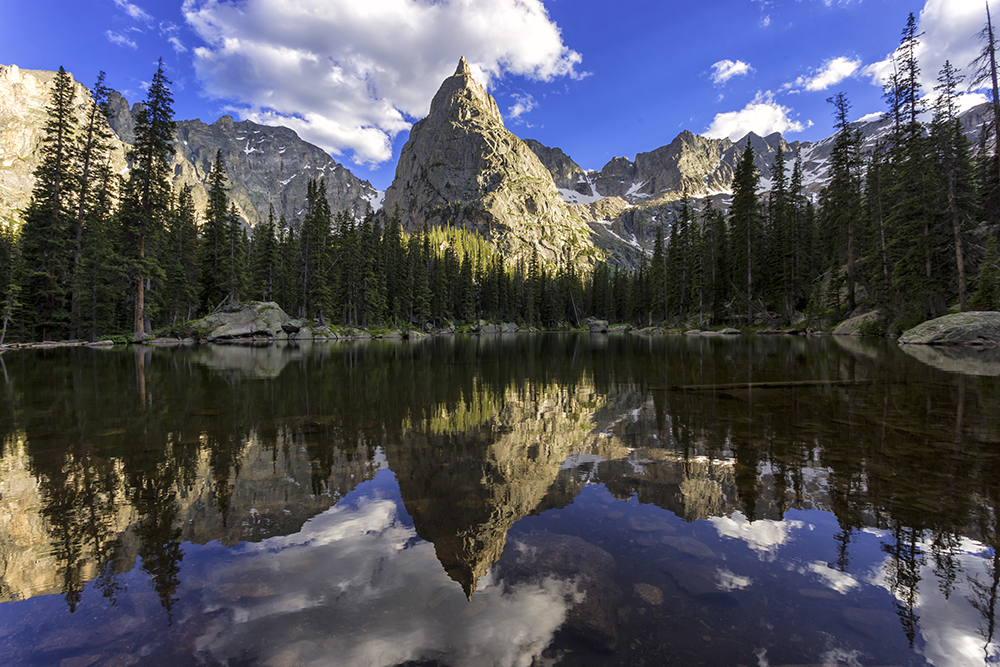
{"x":597,"y":79}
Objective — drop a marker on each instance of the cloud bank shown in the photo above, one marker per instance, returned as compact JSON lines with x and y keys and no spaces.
{"x":949,"y":29}
{"x":763,"y":115}
{"x":347,"y":75}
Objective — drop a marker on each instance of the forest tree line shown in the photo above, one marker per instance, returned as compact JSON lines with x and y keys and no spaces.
{"x":908,"y":228}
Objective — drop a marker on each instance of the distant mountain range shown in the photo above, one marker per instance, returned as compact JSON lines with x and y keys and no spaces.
{"x":460,"y":166}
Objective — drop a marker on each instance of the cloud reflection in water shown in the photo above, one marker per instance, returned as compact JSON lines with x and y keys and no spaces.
{"x":357,"y":586}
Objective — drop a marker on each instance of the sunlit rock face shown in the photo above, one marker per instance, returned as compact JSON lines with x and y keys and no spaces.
{"x":266,"y":166}
{"x":462,"y":167}
{"x":24,"y":98}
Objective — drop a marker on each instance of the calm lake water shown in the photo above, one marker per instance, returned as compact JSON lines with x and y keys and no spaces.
{"x":501,"y":500}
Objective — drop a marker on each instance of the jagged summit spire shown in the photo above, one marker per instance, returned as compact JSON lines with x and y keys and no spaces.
{"x":463,"y":68}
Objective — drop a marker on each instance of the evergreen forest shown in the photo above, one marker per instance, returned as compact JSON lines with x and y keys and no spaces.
{"x":908,"y":229}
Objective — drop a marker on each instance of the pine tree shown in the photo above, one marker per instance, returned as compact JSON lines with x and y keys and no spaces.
{"x":181,"y":260}
{"x":47,"y":237}
{"x":954,"y":169}
{"x":917,"y":292}
{"x":658,"y":277}
{"x":9,"y":287}
{"x":744,"y":228}
{"x":984,"y":69}
{"x":148,"y":195}
{"x":987,"y":296}
{"x":266,"y":259}
{"x":781,"y":264}
{"x":238,"y":244}
{"x":841,"y":199}
{"x":215,"y":251}
{"x":94,"y":153}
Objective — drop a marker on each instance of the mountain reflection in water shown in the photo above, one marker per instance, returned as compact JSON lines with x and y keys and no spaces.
{"x":506,"y":500}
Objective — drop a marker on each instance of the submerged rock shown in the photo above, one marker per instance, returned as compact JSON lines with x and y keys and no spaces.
{"x":974,"y":328}
{"x":594,"y":619}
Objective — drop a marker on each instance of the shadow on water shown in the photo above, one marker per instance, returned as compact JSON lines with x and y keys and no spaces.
{"x":530,"y":499}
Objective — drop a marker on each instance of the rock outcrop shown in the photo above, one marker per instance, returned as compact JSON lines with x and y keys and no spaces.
{"x":461,"y":167}
{"x":24,"y":98}
{"x":266,"y":166}
{"x":974,"y":328}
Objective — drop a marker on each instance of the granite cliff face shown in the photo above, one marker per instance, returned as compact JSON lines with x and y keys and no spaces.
{"x":462,"y":167}
{"x":266,"y":165}
{"x":24,"y":97}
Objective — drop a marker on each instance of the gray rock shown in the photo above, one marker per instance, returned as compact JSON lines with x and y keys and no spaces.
{"x":852,"y":326}
{"x":974,"y":328}
{"x":508,"y":327}
{"x":729,"y":331}
{"x":257,"y":319}
{"x":598,"y":326}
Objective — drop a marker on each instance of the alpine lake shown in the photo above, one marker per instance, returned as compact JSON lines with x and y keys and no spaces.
{"x":524,"y":499}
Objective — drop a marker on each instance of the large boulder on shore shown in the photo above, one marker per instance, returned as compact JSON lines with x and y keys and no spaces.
{"x":255,"y":319}
{"x":975,"y":328}
{"x":854,"y":325}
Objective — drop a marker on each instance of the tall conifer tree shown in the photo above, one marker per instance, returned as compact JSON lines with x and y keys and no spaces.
{"x":148,"y":196}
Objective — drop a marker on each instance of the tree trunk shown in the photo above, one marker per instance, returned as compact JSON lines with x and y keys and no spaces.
{"x":140,"y":292}
{"x":959,"y":258}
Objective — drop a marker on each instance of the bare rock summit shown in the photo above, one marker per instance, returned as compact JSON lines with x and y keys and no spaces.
{"x":461,"y":167}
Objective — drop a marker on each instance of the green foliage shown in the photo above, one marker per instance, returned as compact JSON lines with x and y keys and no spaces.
{"x":987,"y":296}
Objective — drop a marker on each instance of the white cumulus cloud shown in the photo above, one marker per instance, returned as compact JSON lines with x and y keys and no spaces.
{"x":346,"y":75}
{"x":831,"y":73}
{"x":763,"y":115}
{"x":949,"y":30}
{"x":724,"y":70}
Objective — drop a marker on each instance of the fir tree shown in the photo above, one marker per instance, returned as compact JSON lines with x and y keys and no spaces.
{"x":47,"y":237}
{"x":181,"y":259}
{"x":215,"y":251}
{"x":841,"y":199}
{"x":94,"y":178}
{"x":954,"y":169}
{"x":265,"y":259}
{"x":987,"y":296}
{"x":148,"y":195}
{"x":658,"y":278}
{"x":744,"y":228}
{"x":984,"y":70}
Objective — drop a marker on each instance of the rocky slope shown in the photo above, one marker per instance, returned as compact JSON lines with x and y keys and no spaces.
{"x":24,"y":96}
{"x":462,"y":167}
{"x":266,"y":165}
{"x":706,"y":166}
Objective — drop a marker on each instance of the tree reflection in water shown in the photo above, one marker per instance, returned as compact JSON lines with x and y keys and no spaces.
{"x":129,"y":456}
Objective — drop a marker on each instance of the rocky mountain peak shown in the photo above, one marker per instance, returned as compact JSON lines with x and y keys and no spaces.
{"x":461,"y":167}
{"x":461,"y":97}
